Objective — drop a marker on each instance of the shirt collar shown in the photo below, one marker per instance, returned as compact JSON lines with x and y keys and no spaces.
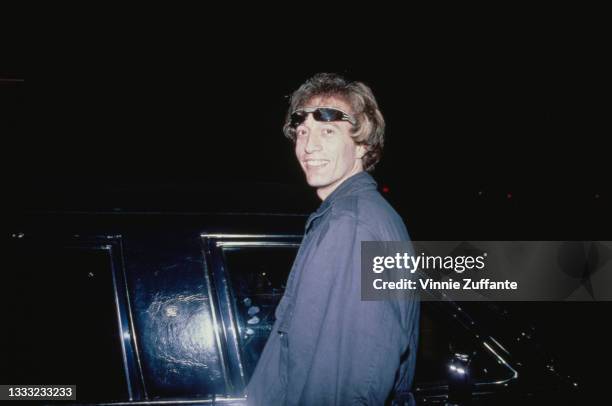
{"x":356,"y":183}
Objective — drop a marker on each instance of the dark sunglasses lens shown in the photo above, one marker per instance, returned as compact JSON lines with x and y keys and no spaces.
{"x":297,"y":118}
{"x":328,"y":115}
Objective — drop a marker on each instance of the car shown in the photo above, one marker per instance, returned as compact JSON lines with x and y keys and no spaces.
{"x":175,"y":308}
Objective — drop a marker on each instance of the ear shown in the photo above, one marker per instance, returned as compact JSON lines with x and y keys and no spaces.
{"x":361,"y":151}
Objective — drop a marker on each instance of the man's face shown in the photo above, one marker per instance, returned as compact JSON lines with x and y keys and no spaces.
{"x":325,"y":150}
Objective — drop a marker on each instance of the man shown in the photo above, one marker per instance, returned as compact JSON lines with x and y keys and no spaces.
{"x":327,"y":346}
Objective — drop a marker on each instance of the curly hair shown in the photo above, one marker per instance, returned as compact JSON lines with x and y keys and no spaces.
{"x":370,"y":127}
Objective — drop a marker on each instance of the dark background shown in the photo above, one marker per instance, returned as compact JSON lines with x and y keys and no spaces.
{"x":490,"y":138}
{"x":498,"y":137}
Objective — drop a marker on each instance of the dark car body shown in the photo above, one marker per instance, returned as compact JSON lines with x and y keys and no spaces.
{"x":174,"y":308}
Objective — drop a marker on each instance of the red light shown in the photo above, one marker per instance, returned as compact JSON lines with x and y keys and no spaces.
{"x":509,"y":195}
{"x":385,"y":189}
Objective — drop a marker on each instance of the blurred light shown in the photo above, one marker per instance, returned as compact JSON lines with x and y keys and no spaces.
{"x":253,"y":320}
{"x":459,"y":370}
{"x":385,"y":189}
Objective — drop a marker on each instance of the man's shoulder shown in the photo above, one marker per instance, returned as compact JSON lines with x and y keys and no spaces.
{"x":372,"y":211}
{"x":365,"y":206}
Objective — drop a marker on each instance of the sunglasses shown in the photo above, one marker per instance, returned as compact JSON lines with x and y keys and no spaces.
{"x":325,"y":114}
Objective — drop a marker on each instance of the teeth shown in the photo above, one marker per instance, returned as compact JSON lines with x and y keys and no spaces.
{"x":316,"y":162}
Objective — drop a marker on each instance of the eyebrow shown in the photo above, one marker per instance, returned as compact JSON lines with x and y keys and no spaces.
{"x":332,"y":124}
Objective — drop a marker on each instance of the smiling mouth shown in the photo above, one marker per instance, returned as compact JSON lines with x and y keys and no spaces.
{"x":315,"y":163}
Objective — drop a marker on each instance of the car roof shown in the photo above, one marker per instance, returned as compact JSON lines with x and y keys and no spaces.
{"x":118,"y":223}
{"x":211,"y":206}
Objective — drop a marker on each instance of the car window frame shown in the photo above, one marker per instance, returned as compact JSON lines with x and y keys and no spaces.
{"x":219,"y":281}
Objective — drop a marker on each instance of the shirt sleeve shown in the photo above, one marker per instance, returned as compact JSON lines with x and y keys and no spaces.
{"x":343,"y":350}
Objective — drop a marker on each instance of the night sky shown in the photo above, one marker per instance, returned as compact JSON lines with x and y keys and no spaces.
{"x":494,"y":139}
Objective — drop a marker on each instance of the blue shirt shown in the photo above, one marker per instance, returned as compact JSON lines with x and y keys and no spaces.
{"x":327,"y":346}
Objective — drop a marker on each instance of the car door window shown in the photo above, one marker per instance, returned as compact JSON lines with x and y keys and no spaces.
{"x":64,"y":329}
{"x":258,"y":276}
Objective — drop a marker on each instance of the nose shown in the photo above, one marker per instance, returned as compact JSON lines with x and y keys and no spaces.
{"x":313,"y":141}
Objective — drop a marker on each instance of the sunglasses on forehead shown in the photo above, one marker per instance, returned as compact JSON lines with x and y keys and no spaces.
{"x":325,"y":114}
